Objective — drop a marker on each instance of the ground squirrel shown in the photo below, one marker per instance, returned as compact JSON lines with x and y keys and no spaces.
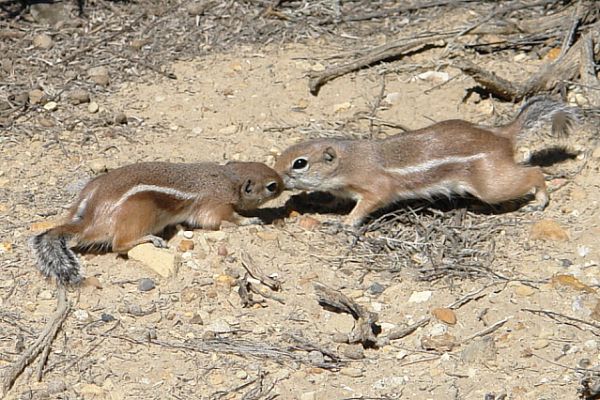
{"x":130,"y":205}
{"x":449,"y":157}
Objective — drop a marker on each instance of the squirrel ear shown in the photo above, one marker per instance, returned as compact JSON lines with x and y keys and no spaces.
{"x":247,"y":187}
{"x":329,"y":154}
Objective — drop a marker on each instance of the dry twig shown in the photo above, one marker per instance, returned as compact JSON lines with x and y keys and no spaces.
{"x":395,"y":49}
{"x":363,"y":331}
{"x":42,"y":343}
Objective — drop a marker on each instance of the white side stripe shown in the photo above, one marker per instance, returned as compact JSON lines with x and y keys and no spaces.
{"x":436,"y":162}
{"x":153,"y":188}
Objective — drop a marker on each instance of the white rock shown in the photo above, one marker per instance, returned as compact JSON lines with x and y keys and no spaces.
{"x":317,"y":67}
{"x":241,"y":374}
{"x":93,"y":107}
{"x":393,"y":98}
{"x":45,"y":295}
{"x":389,"y":382}
{"x":220,"y":326}
{"x":51,"y":106}
{"x":42,"y":41}
{"x":161,"y":261}
{"x":81,"y":315}
{"x":438,"y":329}
{"x":386,"y":327}
{"x":434,"y":76}
{"x":215,"y":236}
{"x":420,"y":297}
{"x":188,"y":234}
{"x":573,"y":350}
{"x":308,"y":396}
{"x":342,"y":107}
{"x":520,"y":57}
{"x":590,"y":345}
{"x":229,"y":130}
{"x":582,"y":250}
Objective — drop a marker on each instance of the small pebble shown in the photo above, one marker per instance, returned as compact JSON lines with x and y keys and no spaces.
{"x":36,"y":96}
{"x":107,"y":317}
{"x":241,"y":374}
{"x":565,"y":262}
{"x":93,"y":107}
{"x":316,"y":357}
{"x":308,"y":396}
{"x":79,"y":96}
{"x":584,"y":363}
{"x":81,"y":315}
{"x":353,"y":352}
{"x":420,"y":297}
{"x":42,"y":41}
{"x":222,"y":250}
{"x":146,"y":284}
{"x":99,"y":75}
{"x":438,"y":329}
{"x":445,"y":315}
{"x":120,"y":118}
{"x":196,"y":320}
{"x":51,"y":106}
{"x":188,"y":234}
{"x":45,"y":295}
{"x":185,"y":245}
{"x":190,"y":293}
{"x":591,"y":345}
{"x":220,"y":326}
{"x":376,"y":288}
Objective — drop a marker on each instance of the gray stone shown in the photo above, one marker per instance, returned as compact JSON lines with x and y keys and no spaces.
{"x":146,"y":284}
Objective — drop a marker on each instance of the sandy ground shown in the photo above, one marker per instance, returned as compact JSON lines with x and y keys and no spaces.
{"x":190,"y":337}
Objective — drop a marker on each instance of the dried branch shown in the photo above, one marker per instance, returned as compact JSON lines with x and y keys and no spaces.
{"x":557,"y":316}
{"x":255,"y":272}
{"x":42,"y":343}
{"x":565,"y":68}
{"x":363,"y":331}
{"x":395,"y":49}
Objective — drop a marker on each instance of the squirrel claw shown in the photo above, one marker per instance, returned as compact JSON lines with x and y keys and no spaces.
{"x":158,"y":242}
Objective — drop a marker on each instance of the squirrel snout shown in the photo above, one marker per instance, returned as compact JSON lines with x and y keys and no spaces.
{"x":288,"y":183}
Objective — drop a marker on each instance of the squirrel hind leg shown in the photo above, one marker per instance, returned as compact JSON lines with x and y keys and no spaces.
{"x":123,"y":244}
{"x":514,"y":181}
{"x":135,"y":222}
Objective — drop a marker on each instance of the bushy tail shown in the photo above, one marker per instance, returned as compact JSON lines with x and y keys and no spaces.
{"x":541,"y":110}
{"x":54,"y":257}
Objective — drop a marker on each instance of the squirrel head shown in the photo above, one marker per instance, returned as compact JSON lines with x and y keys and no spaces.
{"x":258,"y":183}
{"x":311,"y":165}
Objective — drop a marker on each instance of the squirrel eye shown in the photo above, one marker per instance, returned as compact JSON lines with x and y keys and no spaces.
{"x":300,"y":163}
{"x":272,"y":187}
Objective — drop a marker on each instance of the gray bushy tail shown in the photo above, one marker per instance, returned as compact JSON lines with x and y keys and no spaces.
{"x":54,"y":257}
{"x":541,"y":110}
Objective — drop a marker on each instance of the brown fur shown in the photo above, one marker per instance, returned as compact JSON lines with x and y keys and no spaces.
{"x":448,"y":157}
{"x":203,"y":195}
